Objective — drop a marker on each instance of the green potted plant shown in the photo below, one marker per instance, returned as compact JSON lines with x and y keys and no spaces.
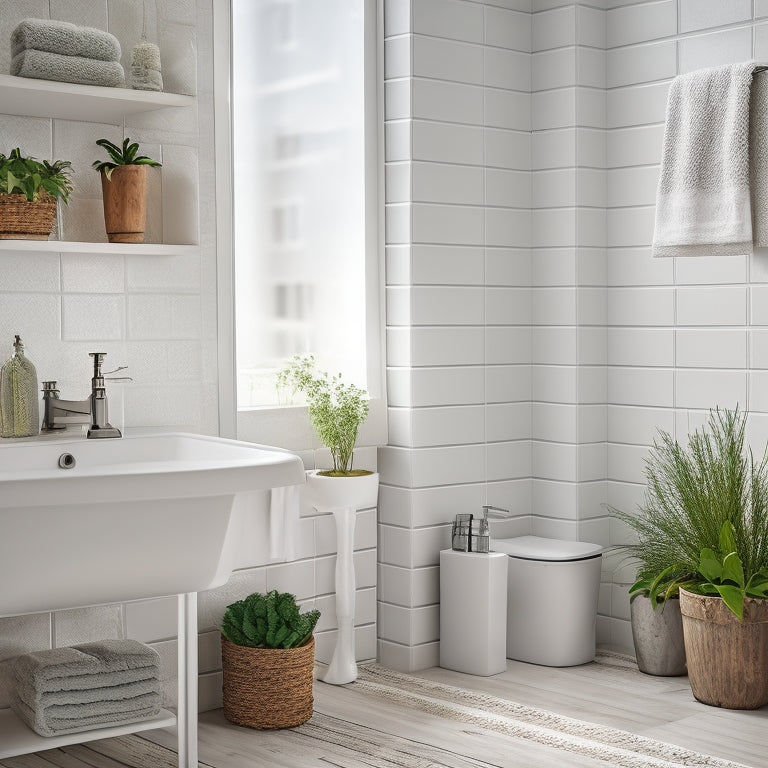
{"x":692,"y":491}
{"x":268,"y":658}
{"x":124,"y":190}
{"x":336,"y":411}
{"x":725,"y":622}
{"x":29,"y":193}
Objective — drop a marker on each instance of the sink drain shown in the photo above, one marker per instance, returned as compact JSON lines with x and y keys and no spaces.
{"x":67,"y":461}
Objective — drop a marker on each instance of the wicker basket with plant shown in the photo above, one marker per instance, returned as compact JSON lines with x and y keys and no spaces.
{"x":268,"y":659}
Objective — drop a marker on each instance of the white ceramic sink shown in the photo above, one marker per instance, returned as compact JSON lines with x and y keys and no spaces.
{"x":133,"y":518}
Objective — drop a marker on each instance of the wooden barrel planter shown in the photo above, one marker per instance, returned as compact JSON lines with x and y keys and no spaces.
{"x":727,"y":658}
{"x":268,"y":688}
{"x":21,"y":219}
{"x":125,"y":203}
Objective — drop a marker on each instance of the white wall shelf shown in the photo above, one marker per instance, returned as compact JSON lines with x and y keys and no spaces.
{"x":89,"y":103}
{"x":16,"y":738}
{"x":114,"y":249}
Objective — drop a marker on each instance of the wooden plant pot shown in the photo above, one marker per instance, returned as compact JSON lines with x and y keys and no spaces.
{"x":21,"y":219}
{"x":125,"y":203}
{"x":727,"y":658}
{"x":658,"y":637}
{"x":268,"y":688}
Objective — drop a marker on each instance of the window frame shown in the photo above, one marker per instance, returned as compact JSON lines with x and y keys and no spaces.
{"x":286,"y":426}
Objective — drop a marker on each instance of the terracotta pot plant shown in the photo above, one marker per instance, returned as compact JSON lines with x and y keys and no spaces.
{"x":694,"y":492}
{"x":29,"y":193}
{"x":124,"y":190}
{"x":268,"y":660}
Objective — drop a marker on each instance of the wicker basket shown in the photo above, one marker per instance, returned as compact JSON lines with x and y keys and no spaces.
{"x":21,"y":219}
{"x":268,"y":687}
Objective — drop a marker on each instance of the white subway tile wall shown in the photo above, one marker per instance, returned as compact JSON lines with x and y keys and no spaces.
{"x":592,"y":345}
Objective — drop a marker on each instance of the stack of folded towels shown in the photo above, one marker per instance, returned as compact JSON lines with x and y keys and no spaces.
{"x":94,"y":685}
{"x":58,"y":50}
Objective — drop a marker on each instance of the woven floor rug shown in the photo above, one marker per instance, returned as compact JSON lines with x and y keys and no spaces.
{"x":577,"y":737}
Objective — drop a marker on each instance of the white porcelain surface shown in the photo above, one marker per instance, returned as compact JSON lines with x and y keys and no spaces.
{"x":135,"y":517}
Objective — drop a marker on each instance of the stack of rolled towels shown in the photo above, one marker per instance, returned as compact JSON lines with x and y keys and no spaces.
{"x":94,"y":685}
{"x":58,"y":50}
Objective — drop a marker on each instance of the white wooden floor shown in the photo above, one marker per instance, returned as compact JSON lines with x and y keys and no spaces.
{"x":350,"y":729}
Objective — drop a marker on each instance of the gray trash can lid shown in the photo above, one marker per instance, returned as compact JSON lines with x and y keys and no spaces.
{"x":538,"y":548}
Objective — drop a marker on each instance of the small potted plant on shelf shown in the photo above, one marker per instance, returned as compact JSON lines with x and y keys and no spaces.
{"x":124,"y":190}
{"x":29,"y":193}
{"x":695,"y":495}
{"x":336,"y":411}
{"x":268,"y":659}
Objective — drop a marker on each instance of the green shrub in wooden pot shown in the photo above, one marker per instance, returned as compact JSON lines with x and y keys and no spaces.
{"x":268,"y":660}
{"x":725,"y":623}
{"x":691,"y":491}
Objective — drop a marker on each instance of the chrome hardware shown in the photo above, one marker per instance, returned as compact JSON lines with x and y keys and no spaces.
{"x":67,"y":461}
{"x":487,"y":512}
{"x":93,"y":410}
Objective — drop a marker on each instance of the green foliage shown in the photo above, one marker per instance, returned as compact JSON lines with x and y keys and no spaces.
{"x":722,"y":574}
{"x":691,"y":492}
{"x":336,"y":410}
{"x":125,"y":155}
{"x":268,"y":621}
{"x":30,"y":177}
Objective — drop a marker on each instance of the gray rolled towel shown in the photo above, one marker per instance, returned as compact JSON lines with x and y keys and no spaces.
{"x":86,"y":716}
{"x":43,"y":65}
{"x":64,"y":38}
{"x":85,"y":666}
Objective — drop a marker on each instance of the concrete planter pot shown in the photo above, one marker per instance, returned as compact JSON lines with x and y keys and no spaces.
{"x":727,"y":658}
{"x":658,"y":637}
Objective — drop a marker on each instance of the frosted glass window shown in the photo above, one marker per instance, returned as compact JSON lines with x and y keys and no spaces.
{"x":299,"y":189}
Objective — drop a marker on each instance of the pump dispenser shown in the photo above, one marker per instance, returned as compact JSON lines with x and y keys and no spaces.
{"x":19,"y":408}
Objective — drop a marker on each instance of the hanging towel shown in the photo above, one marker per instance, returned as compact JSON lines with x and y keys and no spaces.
{"x":64,"y":38}
{"x":284,"y":521}
{"x":703,"y":204}
{"x":43,"y":65}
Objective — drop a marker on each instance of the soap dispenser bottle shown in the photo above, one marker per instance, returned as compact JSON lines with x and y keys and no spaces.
{"x":19,"y":408}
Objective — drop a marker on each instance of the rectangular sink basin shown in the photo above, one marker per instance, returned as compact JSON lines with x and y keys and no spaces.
{"x":87,"y":522}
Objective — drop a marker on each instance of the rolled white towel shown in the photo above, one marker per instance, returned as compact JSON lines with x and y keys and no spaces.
{"x":64,"y":38}
{"x":43,"y":65}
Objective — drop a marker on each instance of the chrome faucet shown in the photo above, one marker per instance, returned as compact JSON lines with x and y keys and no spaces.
{"x":93,"y":410}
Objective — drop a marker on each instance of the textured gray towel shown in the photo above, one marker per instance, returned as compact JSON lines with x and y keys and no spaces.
{"x":90,"y":665}
{"x":85,"y":717}
{"x":36,"y":700}
{"x":64,"y":38}
{"x":44,"y":65}
{"x":703,"y":204}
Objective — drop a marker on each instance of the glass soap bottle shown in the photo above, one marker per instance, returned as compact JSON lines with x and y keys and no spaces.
{"x":19,"y":407}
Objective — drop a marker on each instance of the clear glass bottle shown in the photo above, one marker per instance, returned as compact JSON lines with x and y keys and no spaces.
{"x":19,"y":406}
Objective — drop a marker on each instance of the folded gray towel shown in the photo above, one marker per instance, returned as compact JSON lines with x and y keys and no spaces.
{"x":44,"y":65}
{"x":86,"y":717}
{"x":36,"y":700}
{"x":64,"y":38}
{"x":90,"y":665}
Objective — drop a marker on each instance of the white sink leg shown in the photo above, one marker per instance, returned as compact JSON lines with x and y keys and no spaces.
{"x":187,"y":672}
{"x":343,"y":667}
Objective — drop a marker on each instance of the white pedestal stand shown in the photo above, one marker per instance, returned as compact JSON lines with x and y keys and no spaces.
{"x":343,"y":496}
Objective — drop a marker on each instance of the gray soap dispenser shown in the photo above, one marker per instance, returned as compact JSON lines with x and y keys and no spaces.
{"x":19,"y":408}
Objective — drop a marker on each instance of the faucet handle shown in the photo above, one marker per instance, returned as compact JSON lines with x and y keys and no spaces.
{"x":50,"y":389}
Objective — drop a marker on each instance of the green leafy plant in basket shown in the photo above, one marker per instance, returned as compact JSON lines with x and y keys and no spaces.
{"x":128,"y":154}
{"x":336,"y":410}
{"x":270,"y":620}
{"x":31,"y":177}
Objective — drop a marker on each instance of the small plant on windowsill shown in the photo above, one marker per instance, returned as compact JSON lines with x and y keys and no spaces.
{"x":336,"y":410}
